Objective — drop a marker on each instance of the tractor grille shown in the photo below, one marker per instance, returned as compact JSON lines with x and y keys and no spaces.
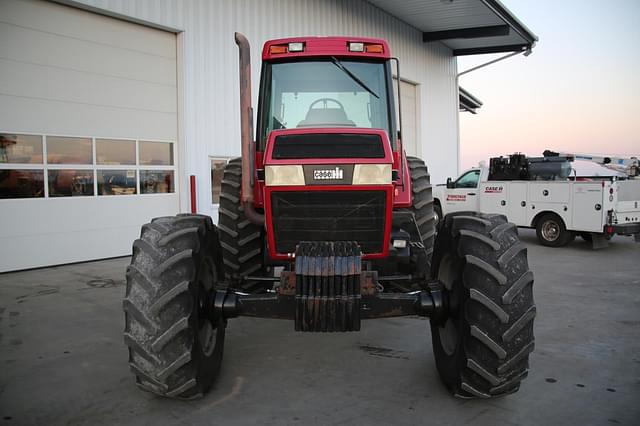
{"x":327,"y":145}
{"x":329,"y":216}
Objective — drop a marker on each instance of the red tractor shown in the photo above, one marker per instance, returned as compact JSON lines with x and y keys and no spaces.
{"x":325,"y":222}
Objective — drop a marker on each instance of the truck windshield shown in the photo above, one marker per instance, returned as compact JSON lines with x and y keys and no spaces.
{"x":325,"y":93}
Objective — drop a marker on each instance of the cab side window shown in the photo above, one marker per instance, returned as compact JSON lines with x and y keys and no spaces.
{"x":468,"y":180}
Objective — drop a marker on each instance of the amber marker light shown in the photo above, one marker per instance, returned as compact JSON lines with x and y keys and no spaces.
{"x":374,"y":48}
{"x":274,"y":50}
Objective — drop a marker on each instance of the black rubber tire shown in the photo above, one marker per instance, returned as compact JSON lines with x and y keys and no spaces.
{"x":482,"y":350}
{"x":552,"y":220}
{"x":174,"y":349}
{"x":422,"y":209}
{"x":242,"y":241}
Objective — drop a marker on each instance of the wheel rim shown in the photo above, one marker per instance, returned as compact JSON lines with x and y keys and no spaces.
{"x":448,"y":333}
{"x":550,"y":230}
{"x":206,"y":328}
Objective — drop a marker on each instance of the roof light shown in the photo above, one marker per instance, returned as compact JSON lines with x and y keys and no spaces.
{"x":277,"y":49}
{"x":374,"y":48}
{"x":356,"y":47}
{"x":296,"y":47}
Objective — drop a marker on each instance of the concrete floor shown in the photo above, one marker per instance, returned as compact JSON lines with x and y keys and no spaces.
{"x":62,"y":359}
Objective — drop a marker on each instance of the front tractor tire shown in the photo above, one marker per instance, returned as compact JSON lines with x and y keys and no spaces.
{"x":482,"y":349}
{"x":242,"y":241}
{"x":175,"y":347}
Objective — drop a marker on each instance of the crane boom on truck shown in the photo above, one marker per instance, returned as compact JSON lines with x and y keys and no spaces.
{"x":630,"y":166}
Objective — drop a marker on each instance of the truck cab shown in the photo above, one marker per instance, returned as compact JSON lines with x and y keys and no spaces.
{"x":460,"y":194}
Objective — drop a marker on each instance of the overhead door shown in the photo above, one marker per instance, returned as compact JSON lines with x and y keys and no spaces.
{"x":88,"y":133}
{"x":409,"y":104}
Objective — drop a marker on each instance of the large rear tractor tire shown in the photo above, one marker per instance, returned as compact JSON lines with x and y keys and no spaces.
{"x":422,"y":209}
{"x":482,"y":350}
{"x":242,"y":241}
{"x":175,"y":347}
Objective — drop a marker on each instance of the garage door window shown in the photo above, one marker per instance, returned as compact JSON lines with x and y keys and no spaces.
{"x":156,"y":153}
{"x":20,"y":149}
{"x":64,"y":150}
{"x":117,"y":182}
{"x":70,"y":183}
{"x":156,"y":181}
{"x":21,"y":183}
{"x":115,"y":152}
{"x":21,"y":169}
{"x":83,"y":166}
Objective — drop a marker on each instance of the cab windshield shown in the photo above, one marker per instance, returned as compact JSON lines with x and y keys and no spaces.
{"x":324,"y":93}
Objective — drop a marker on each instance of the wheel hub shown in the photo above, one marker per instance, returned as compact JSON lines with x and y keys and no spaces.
{"x":206,"y":324}
{"x":550,"y":230}
{"x":448,"y":274}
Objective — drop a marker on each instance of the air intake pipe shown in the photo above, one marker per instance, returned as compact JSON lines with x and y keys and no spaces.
{"x":246,"y":131}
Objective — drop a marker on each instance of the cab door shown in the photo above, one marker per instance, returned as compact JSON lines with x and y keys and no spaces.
{"x":464,"y":194}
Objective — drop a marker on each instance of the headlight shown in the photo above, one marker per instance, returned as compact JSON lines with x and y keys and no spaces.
{"x":283,"y":175}
{"x":372,"y":174}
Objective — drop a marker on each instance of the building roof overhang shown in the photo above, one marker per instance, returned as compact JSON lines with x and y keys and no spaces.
{"x":468,"y":102}
{"x":467,"y":27}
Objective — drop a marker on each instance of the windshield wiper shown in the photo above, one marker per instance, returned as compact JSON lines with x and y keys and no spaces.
{"x":354,"y":77}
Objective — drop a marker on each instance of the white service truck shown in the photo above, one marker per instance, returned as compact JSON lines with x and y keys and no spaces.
{"x":557,"y":205}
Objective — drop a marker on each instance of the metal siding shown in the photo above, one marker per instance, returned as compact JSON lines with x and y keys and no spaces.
{"x":211,"y":105}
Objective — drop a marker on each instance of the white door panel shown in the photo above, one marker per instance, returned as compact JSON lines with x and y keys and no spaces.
{"x":69,"y":72}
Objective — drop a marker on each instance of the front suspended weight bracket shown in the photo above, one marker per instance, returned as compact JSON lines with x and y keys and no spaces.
{"x":329,"y":292}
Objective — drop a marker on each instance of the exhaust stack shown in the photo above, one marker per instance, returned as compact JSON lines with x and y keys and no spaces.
{"x":246,"y":131}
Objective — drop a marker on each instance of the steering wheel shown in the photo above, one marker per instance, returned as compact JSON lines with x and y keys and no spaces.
{"x":324,"y":101}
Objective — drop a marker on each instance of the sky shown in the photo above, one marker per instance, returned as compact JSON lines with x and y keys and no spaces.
{"x":579,"y":91}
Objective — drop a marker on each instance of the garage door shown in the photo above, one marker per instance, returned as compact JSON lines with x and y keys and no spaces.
{"x":409,"y":94}
{"x":88,"y":131}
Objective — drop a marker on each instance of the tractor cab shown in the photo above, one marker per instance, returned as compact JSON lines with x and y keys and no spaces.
{"x":327,"y":152}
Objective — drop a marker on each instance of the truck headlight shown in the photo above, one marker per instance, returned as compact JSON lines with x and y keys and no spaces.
{"x":372,"y":174}
{"x":283,"y":175}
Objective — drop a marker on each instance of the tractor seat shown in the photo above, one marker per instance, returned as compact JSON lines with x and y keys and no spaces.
{"x":326,"y":117}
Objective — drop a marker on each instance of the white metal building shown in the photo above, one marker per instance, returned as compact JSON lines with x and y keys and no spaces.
{"x":108,"y":106}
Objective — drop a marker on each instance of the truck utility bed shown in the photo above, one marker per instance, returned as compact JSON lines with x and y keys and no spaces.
{"x":593,"y":208}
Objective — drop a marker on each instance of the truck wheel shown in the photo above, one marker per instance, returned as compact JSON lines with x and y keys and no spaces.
{"x":552,"y":232}
{"x":482,"y":349}
{"x":175,"y":347}
{"x":437,"y":212}
{"x":422,"y":209}
{"x":242,"y":241}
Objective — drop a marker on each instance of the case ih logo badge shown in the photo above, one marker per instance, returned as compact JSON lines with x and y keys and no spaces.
{"x":452,"y":197}
{"x":493,"y":190}
{"x":333,"y":174}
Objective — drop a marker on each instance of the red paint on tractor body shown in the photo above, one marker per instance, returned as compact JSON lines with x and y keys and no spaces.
{"x":325,"y":47}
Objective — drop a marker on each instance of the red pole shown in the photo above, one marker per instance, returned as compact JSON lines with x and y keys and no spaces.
{"x":192,"y":182}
